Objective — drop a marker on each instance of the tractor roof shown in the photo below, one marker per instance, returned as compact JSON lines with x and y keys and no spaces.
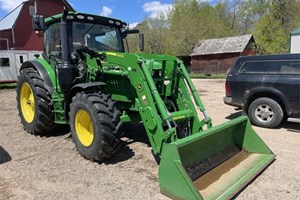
{"x":89,"y":18}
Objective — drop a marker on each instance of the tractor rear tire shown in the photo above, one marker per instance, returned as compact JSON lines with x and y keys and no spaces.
{"x":95,"y":125}
{"x":34,"y":103}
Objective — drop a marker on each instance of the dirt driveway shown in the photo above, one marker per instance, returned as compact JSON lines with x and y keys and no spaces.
{"x":50,"y":168}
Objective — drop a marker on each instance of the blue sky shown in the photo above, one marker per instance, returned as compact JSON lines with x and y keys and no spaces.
{"x":130,"y":11}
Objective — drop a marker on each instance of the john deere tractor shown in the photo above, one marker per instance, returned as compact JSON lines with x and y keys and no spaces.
{"x":85,"y":79}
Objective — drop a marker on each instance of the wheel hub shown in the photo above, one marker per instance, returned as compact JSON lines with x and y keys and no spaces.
{"x":264,"y":113}
{"x":27,"y":102}
{"x":84,"y":128}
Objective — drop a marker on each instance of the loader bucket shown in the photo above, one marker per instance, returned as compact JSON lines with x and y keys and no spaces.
{"x":213,"y":164}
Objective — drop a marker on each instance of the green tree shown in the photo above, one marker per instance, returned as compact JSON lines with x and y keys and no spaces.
{"x":154,"y":30}
{"x":270,"y":36}
{"x":183,"y":32}
{"x":287,"y":13}
{"x":242,"y":16}
{"x":156,"y":35}
{"x":273,"y":29}
{"x":191,"y":22}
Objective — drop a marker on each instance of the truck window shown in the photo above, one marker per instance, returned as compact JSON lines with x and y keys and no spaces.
{"x":271,"y":67}
{"x":290,"y":67}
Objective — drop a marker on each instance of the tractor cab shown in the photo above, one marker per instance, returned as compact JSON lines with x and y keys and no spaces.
{"x":94,"y":32}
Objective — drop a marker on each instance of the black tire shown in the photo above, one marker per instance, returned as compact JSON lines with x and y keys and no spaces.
{"x":106,"y":125}
{"x":265,"y":112}
{"x":43,"y":117}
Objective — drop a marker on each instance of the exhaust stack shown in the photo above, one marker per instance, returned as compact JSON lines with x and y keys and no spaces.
{"x":65,"y":70}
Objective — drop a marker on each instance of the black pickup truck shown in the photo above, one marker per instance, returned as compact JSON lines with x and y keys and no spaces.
{"x":267,"y":88}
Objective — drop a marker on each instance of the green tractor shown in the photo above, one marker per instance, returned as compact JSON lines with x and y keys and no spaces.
{"x":85,"y":79}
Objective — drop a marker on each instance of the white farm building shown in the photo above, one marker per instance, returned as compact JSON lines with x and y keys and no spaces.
{"x":295,"y":41}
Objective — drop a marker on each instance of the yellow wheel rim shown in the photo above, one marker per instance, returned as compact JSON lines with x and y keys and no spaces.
{"x":84,"y":128}
{"x":27,"y":102}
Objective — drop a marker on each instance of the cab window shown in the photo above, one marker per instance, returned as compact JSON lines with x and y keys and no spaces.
{"x":52,"y":42}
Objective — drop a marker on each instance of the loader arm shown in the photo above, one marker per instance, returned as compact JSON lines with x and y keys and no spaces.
{"x":173,"y":71}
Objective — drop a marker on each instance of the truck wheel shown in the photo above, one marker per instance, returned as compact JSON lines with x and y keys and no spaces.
{"x":34,"y":103}
{"x":95,"y":125}
{"x":265,"y":112}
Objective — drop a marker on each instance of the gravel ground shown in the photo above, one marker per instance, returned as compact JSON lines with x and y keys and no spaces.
{"x":50,"y":168}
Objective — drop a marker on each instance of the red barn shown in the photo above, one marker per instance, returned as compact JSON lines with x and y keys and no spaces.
{"x":16,"y":31}
{"x":216,"y":56}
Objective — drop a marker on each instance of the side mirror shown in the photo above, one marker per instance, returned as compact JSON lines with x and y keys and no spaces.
{"x":141,"y":37}
{"x":127,"y":32}
{"x":38,"y":22}
{"x":141,"y":41}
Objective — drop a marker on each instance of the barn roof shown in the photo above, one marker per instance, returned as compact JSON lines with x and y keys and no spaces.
{"x":9,"y":20}
{"x":235,"y":44}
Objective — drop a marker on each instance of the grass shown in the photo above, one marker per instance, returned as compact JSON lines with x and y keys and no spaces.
{"x":210,"y":76}
{"x":8,"y":85}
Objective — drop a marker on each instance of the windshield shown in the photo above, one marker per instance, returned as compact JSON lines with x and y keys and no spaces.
{"x":97,"y":37}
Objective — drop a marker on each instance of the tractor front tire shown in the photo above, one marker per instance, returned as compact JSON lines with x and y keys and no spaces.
{"x":95,"y":125}
{"x":34,"y":103}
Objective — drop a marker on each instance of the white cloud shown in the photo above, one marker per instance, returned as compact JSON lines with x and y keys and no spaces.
{"x":155,"y":8}
{"x":133,"y":25}
{"x":106,"y":11}
{"x":9,"y":5}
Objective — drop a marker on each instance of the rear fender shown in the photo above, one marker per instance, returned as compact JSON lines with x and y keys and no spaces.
{"x":43,"y":72}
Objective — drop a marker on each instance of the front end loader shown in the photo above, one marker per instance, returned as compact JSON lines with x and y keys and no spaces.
{"x":85,"y":79}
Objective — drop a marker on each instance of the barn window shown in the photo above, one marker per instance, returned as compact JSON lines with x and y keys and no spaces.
{"x":4,"y":62}
{"x":32,"y":11}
